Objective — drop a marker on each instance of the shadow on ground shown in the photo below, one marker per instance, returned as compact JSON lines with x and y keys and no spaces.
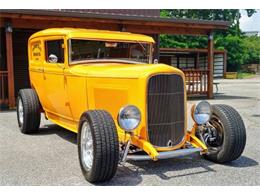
{"x":242,"y":162}
{"x":221,"y":96}
{"x":136,"y":170}
{"x":7,"y":111}
{"x":227,"y":97}
{"x":59,"y":131}
{"x":132,"y":172}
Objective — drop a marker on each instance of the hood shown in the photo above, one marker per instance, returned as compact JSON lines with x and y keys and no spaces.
{"x":119,"y":70}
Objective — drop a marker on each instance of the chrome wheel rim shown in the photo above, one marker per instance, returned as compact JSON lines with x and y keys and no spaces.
{"x":20,"y":111}
{"x":86,"y":146}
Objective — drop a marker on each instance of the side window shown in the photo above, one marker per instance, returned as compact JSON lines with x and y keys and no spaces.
{"x":54,"y":51}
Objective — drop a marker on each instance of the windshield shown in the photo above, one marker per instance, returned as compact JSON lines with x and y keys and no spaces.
{"x":84,"y":51}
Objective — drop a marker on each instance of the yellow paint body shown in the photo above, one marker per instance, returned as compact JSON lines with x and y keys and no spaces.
{"x":66,"y":91}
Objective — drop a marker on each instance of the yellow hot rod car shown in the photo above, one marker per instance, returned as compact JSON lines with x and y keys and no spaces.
{"x":104,"y":86}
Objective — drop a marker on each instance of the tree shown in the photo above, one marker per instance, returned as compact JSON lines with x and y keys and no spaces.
{"x":231,"y":40}
{"x":231,"y":15}
{"x":236,"y":48}
{"x":252,"y":45}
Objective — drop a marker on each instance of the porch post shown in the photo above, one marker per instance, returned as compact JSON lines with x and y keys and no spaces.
{"x":156,"y":54}
{"x":197,"y":60}
{"x":210,"y":65}
{"x":10,"y":65}
{"x":225,"y":63}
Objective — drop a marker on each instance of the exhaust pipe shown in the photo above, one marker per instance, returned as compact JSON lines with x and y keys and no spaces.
{"x":166,"y":155}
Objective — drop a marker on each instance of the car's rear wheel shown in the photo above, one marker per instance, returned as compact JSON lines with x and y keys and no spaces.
{"x":98,"y":146}
{"x":28,"y":111}
{"x":226,"y":140}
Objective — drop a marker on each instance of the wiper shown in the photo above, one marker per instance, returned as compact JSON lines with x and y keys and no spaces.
{"x":144,"y":50}
{"x":142,"y":46}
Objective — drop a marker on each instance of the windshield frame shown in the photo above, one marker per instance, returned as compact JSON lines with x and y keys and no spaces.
{"x":150,"y":50}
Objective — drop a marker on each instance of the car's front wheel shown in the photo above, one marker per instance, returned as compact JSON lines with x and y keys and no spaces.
{"x":227,"y":138}
{"x":98,"y":146}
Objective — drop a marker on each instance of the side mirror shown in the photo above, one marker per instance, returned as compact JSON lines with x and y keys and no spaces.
{"x":155,"y":61}
{"x":53,"y":58}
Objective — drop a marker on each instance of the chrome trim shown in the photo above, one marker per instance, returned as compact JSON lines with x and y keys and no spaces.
{"x":193,"y":108}
{"x":119,"y":113}
{"x":87,"y":149}
{"x":20,"y":111}
{"x":166,"y":155}
{"x":126,"y":150}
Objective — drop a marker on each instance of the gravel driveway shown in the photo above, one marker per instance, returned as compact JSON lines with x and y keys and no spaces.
{"x":50,"y":157}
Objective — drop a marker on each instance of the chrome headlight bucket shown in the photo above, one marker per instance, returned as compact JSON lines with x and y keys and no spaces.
{"x":129,"y":118}
{"x":201,"y":112}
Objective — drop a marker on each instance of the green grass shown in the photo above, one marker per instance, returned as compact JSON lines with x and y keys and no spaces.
{"x":244,"y":75}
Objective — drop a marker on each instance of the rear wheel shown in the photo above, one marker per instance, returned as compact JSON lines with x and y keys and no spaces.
{"x":98,"y":146}
{"x":226,"y":138}
{"x":28,"y":111}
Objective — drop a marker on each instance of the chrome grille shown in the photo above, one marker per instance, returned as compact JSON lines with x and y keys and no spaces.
{"x":166,"y":116}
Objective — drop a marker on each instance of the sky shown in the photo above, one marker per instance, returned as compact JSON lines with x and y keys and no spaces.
{"x":250,"y":23}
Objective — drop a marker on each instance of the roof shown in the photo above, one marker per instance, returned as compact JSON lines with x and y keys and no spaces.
{"x":93,"y":34}
{"x":87,"y":14}
{"x":143,"y":24}
{"x":123,"y":12}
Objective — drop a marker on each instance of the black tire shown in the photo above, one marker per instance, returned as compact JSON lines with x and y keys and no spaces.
{"x":234,"y":134}
{"x":31,"y":111}
{"x":105,"y":146}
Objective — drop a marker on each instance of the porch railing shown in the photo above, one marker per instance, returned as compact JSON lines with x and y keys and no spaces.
{"x":196,"y":81}
{"x":3,"y":87}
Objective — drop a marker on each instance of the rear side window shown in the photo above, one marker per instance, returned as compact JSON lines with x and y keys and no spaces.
{"x":54,"y":51}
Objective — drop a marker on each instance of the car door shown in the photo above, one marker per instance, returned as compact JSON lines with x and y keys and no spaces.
{"x":54,"y":80}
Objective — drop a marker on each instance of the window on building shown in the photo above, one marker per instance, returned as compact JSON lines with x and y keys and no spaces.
{"x":54,"y":51}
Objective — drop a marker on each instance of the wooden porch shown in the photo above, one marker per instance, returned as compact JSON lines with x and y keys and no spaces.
{"x":196,"y":82}
{"x":194,"y":64}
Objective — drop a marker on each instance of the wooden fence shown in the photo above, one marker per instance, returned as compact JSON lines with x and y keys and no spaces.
{"x":196,"y":81}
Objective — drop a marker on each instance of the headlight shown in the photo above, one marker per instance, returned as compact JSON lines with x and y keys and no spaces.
{"x":129,"y":118}
{"x":201,"y":112}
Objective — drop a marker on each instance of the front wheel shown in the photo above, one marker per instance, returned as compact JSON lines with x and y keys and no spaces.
{"x":98,"y":146}
{"x":227,"y":138}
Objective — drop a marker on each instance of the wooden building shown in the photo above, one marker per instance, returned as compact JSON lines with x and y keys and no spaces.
{"x":194,"y":64}
{"x":16,"y":26}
